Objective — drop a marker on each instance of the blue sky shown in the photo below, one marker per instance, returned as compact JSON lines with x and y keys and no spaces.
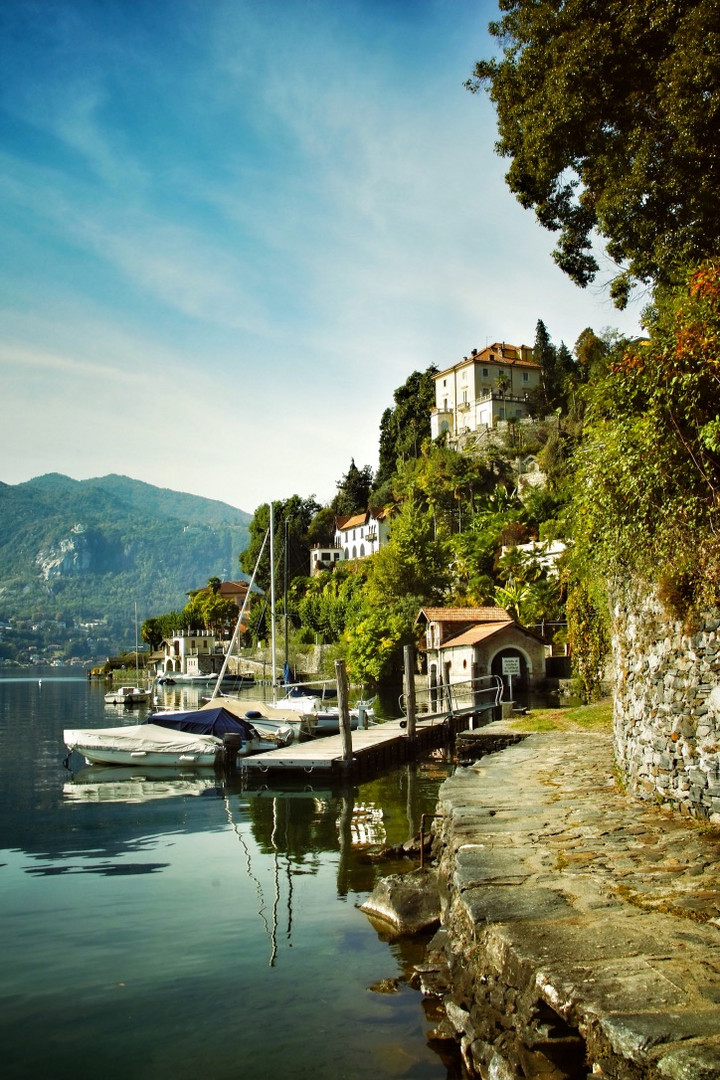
{"x":232,"y":228}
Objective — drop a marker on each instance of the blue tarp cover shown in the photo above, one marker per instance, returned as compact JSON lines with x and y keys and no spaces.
{"x":216,"y":722}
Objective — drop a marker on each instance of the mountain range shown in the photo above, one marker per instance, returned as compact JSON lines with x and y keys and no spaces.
{"x":77,"y":555}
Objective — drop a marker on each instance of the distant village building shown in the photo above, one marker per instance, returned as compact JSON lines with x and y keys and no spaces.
{"x":235,"y":591}
{"x":190,"y":653}
{"x":484,"y":388}
{"x":457,"y":638}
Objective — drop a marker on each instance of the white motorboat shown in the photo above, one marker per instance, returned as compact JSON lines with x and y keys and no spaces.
{"x":196,"y":739}
{"x":148,"y":744}
{"x":127,"y":695}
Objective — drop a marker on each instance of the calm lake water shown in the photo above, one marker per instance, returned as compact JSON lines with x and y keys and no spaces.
{"x":169,"y":926}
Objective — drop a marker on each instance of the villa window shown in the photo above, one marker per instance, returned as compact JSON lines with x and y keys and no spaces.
{"x":526,"y":376}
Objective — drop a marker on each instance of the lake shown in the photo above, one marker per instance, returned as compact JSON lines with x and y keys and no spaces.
{"x":174,"y":926}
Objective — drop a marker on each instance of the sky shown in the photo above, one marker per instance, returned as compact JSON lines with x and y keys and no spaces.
{"x":231,"y":229}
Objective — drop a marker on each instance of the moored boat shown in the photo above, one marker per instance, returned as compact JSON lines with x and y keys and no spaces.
{"x":196,"y":739}
{"x":127,"y":695}
{"x":149,"y":744}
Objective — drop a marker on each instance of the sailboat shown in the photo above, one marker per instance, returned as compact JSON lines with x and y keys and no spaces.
{"x":129,"y":695}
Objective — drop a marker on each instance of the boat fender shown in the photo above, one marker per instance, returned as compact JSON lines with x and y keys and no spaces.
{"x":253,"y":714}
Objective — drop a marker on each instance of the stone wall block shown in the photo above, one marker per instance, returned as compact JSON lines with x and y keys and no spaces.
{"x":667,"y":710}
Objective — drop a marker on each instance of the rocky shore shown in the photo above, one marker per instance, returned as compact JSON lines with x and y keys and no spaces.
{"x":579,"y":929}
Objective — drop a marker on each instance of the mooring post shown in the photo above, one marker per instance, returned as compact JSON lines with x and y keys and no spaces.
{"x":409,"y":675}
{"x":448,"y":693}
{"x":475,"y":677}
{"x":344,"y":711}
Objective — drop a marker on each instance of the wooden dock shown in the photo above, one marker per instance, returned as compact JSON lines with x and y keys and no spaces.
{"x":375,"y":748}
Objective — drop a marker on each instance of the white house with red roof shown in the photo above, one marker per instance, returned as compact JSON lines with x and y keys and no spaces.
{"x":362,"y":534}
{"x":489,"y":385}
{"x":457,"y":638}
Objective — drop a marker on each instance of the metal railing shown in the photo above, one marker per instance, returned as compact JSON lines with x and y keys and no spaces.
{"x":484,"y":692}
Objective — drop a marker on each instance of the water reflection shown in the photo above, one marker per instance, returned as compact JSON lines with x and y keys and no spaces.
{"x":145,"y":910}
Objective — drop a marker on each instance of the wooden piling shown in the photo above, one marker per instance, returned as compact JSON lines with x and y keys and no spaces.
{"x":344,"y":713}
{"x":409,"y":676}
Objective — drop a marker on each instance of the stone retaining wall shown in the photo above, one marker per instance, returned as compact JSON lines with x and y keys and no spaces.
{"x":667,"y":706}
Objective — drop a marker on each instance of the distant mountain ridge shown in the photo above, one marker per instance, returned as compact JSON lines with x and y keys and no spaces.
{"x":79,"y":552}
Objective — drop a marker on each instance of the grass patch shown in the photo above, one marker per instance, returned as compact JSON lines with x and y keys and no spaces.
{"x":596,"y":717}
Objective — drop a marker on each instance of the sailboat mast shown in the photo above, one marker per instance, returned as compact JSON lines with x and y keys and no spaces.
{"x":272,"y":593}
{"x":285,"y":592}
{"x":137,"y":663}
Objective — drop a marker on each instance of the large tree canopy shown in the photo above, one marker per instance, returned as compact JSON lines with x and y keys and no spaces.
{"x":610,"y":112}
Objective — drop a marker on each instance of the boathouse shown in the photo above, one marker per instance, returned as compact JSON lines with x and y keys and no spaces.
{"x":457,"y":638}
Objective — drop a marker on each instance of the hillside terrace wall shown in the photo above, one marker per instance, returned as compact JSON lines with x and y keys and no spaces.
{"x":667,"y":706}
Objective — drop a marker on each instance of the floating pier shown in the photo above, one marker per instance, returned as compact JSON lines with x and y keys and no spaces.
{"x":444,"y":711}
{"x":373,"y":749}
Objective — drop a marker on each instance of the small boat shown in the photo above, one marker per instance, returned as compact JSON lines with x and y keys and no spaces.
{"x":196,"y":739}
{"x":216,"y":720}
{"x":127,"y":695}
{"x":149,"y":744}
{"x":321,"y":719}
{"x":202,"y":679}
{"x":264,"y":714}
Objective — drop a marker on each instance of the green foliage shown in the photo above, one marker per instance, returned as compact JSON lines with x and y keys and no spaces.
{"x":587,"y":631}
{"x":648,"y":477}
{"x":375,"y":642}
{"x":332,"y":600}
{"x":321,"y":530}
{"x":353,"y":492}
{"x":609,"y":114}
{"x":413,"y":563}
{"x":405,"y":427}
{"x":292,"y":520}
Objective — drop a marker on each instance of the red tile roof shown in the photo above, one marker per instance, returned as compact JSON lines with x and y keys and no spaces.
{"x":352,"y":522}
{"x":466,"y":614}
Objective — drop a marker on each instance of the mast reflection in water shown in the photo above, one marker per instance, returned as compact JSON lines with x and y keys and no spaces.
{"x":173,"y":926}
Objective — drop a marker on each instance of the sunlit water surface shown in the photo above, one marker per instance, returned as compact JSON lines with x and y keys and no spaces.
{"x":170,"y":926}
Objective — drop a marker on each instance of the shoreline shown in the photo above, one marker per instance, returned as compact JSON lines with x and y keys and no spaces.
{"x":580,"y":927}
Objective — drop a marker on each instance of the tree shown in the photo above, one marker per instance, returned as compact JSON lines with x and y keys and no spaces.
{"x":322,"y":528}
{"x":353,"y":491}
{"x":405,"y":427}
{"x":298,"y":513}
{"x":611,"y":116}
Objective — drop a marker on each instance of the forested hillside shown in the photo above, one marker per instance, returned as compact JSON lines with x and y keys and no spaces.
{"x":75,"y":557}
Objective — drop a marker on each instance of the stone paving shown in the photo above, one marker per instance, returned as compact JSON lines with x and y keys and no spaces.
{"x":608,"y":906}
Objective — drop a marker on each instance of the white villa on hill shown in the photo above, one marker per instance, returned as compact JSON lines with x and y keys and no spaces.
{"x":483,"y":388}
{"x":356,"y":537}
